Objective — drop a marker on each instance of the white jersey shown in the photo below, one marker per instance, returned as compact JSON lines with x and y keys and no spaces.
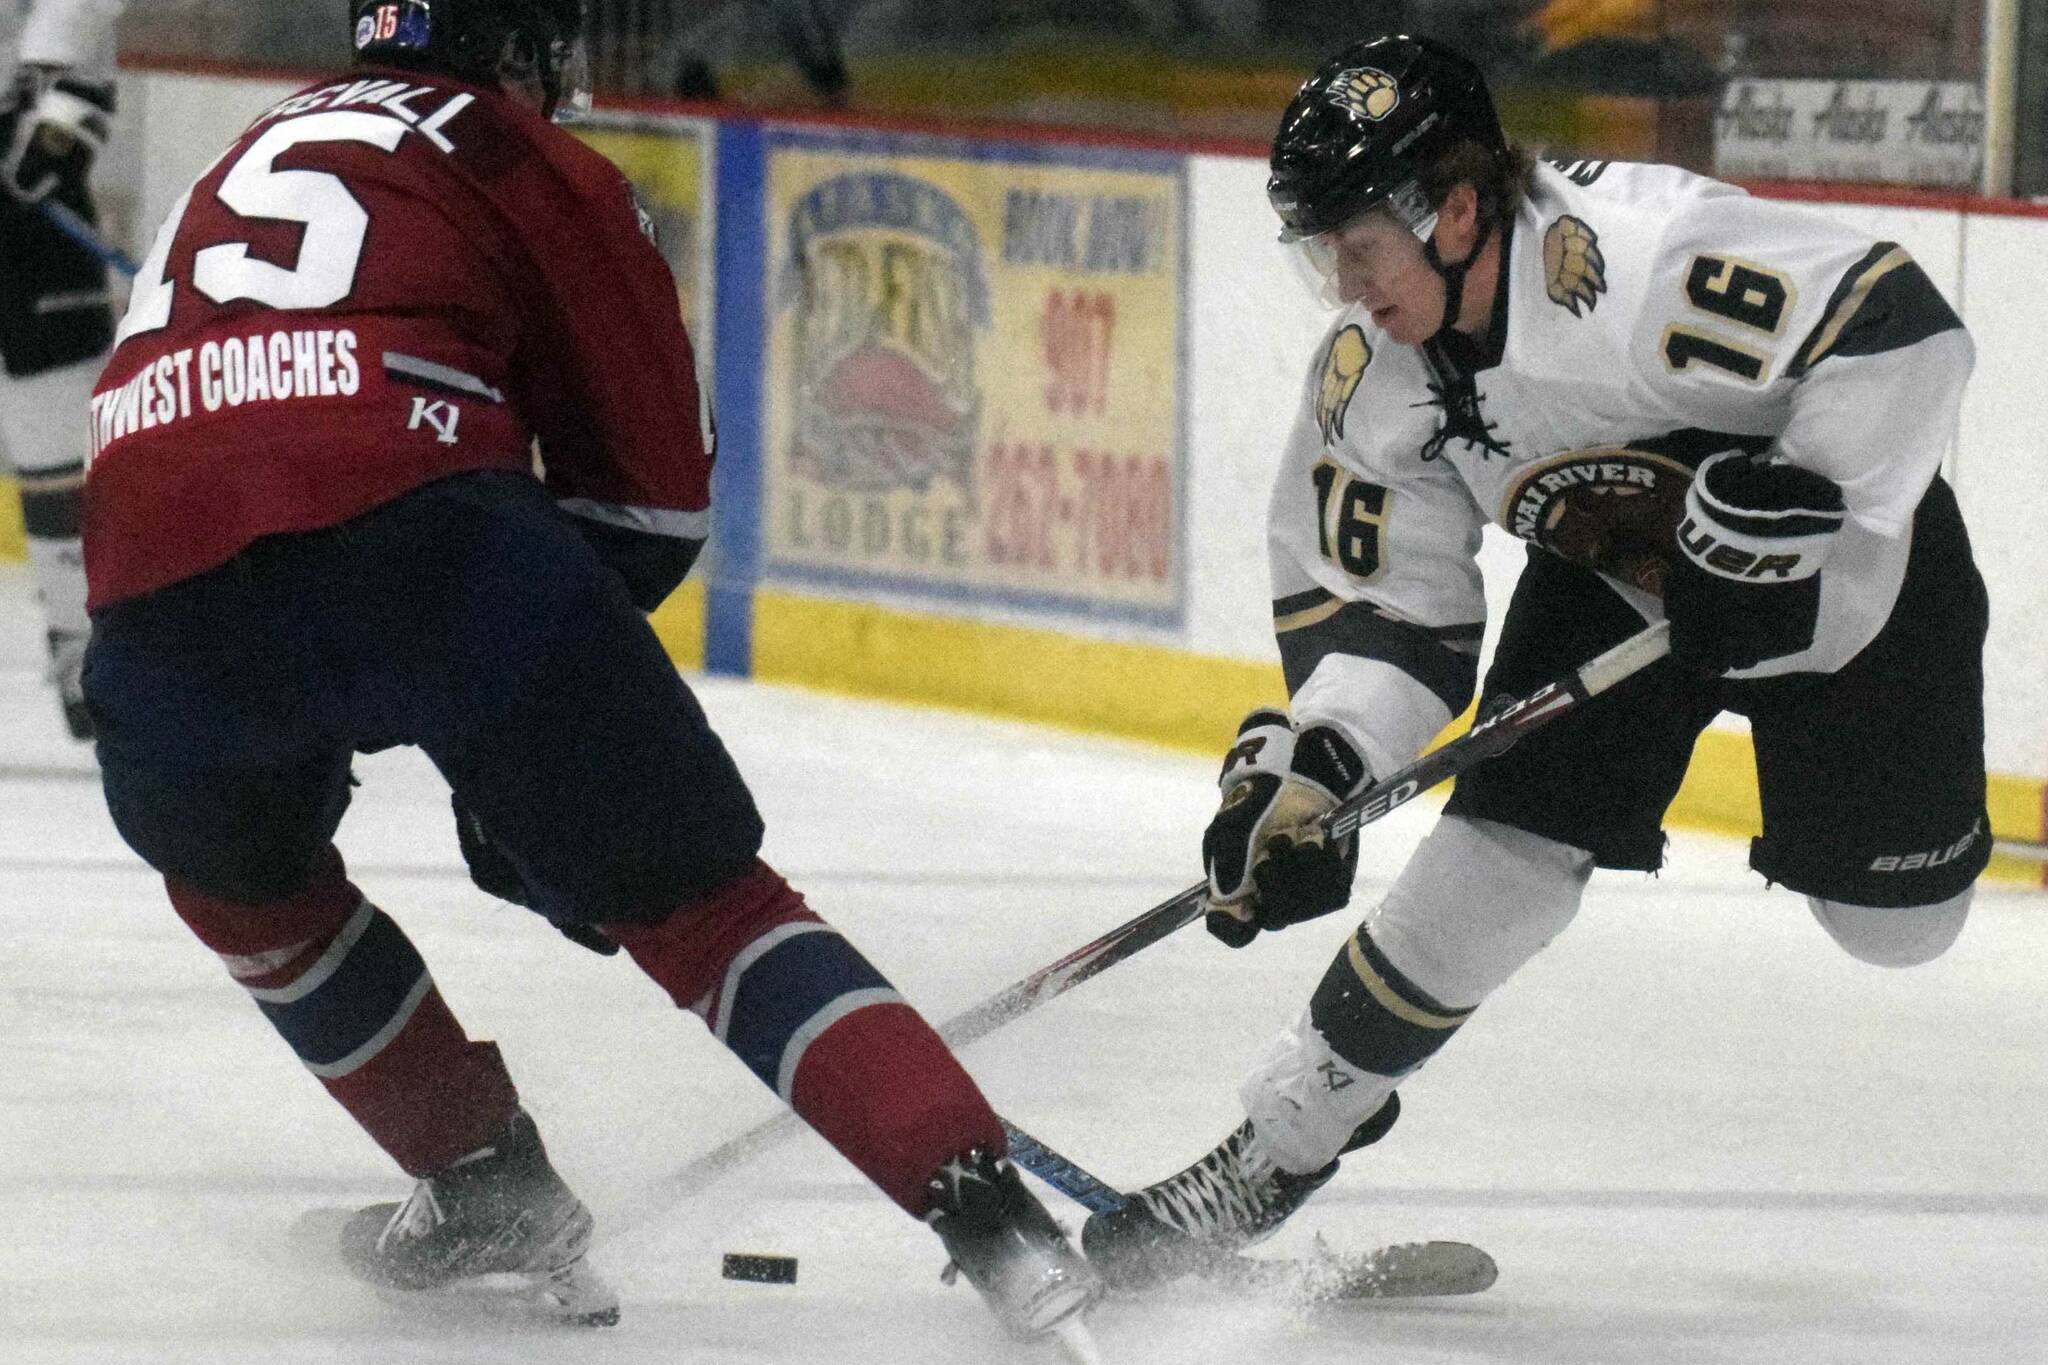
{"x":78,"y":34}
{"x":1647,"y":318}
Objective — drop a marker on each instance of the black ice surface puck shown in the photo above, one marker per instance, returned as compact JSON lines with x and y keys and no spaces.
{"x":759,"y":1269}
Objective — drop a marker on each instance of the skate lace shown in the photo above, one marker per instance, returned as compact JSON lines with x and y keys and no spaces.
{"x":1227,"y":1193}
{"x":417,"y":1217}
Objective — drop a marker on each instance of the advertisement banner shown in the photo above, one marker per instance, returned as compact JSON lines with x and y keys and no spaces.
{"x":972,"y":387}
{"x":1897,"y":132}
{"x":668,"y":159}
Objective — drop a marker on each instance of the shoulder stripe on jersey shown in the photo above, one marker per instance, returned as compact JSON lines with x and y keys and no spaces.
{"x":1884,"y":303}
{"x":1311,"y":626}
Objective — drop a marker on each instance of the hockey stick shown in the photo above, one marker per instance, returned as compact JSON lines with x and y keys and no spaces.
{"x":66,"y":220}
{"x":1495,"y":732}
{"x":1084,"y":1188}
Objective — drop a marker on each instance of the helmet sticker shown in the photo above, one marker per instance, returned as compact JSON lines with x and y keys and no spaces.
{"x":1367,"y":93}
{"x":395,"y":23}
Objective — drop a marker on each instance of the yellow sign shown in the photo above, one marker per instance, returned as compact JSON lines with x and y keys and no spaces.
{"x":972,"y":386}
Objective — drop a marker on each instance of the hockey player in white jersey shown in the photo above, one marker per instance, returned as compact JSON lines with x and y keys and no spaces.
{"x":56,"y":108}
{"x":1694,"y":404}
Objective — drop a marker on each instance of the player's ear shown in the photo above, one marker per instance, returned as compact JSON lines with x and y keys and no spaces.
{"x":1457,"y":222}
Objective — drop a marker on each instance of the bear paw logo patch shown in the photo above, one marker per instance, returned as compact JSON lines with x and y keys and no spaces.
{"x":1343,"y":366}
{"x":1574,"y":270}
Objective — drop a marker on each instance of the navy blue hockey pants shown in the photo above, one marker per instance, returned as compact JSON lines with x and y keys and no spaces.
{"x":468,"y":618}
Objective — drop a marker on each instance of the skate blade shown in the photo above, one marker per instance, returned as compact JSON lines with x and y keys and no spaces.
{"x":1076,"y":1342}
{"x":573,"y":1296}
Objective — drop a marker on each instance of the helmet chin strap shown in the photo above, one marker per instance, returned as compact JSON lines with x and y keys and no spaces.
{"x":1453,"y":277}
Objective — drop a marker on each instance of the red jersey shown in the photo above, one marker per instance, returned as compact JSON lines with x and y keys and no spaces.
{"x":384,"y":281}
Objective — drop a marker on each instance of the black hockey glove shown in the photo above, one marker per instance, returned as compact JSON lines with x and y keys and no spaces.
{"x":1745,"y":583}
{"x":60,"y":124}
{"x":493,"y":872}
{"x":1268,"y":863}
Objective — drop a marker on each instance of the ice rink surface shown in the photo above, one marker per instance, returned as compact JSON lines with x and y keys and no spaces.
{"x":1691,"y":1130}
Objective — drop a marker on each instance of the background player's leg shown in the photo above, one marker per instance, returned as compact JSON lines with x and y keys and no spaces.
{"x":55,"y":328}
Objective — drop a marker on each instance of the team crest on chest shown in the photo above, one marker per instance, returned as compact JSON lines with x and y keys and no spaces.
{"x":1343,"y":366}
{"x":1574,"y":271}
{"x":1610,"y":508}
{"x":1368,"y":93}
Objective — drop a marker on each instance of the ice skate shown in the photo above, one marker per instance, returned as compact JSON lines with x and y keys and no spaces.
{"x":1007,"y":1245}
{"x":65,"y":672}
{"x":498,"y":1221}
{"x":1229,"y":1200}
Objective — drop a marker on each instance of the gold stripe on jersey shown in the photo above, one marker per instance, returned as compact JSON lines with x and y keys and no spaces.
{"x":1300,"y":618}
{"x":1849,"y":299}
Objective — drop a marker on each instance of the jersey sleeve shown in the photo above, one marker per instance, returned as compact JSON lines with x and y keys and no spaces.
{"x":1377,"y":601}
{"x":623,"y":423}
{"x":1764,"y":317}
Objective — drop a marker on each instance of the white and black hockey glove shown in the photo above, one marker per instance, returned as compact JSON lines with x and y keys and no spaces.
{"x":1745,"y":583}
{"x":1269,"y":865}
{"x":59,"y":124}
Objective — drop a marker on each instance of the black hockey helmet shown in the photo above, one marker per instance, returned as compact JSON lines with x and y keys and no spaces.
{"x":1362,"y":130}
{"x":482,"y":41}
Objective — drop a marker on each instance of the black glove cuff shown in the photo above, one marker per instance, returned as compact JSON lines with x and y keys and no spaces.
{"x":1759,"y":523}
{"x":1326,"y":758}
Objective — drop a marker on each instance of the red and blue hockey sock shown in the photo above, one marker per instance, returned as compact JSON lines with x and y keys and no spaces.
{"x":343,"y":985}
{"x":821,"y":1027}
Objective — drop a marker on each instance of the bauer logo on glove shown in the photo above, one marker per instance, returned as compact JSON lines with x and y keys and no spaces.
{"x":1268,"y":861}
{"x":1745,"y":584}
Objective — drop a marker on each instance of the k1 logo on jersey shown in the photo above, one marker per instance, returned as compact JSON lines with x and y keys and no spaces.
{"x":438,"y":414}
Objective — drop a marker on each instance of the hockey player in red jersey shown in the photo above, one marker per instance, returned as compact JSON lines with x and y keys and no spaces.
{"x":314,"y":528}
{"x":1697,"y":406}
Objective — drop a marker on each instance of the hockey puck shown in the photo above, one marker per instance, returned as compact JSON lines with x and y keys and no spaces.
{"x":759,"y":1269}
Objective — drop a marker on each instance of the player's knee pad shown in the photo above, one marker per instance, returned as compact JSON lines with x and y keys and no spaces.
{"x":1476,"y":901}
{"x":1894,"y":936}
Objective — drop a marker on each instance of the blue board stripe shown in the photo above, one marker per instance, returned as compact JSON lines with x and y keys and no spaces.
{"x":739,"y":331}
